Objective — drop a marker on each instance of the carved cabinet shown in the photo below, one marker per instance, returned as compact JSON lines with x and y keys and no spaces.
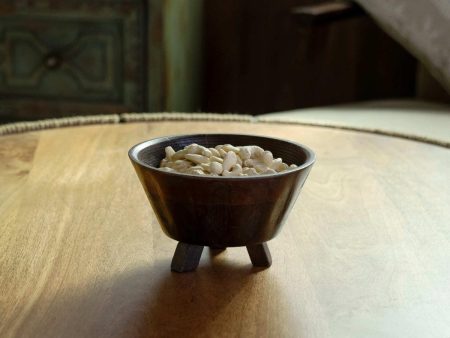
{"x":60,"y":58}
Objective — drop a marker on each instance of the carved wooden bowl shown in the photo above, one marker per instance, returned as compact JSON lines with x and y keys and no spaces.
{"x":217,"y":211}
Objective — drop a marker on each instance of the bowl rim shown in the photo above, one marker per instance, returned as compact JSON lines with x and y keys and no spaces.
{"x":137,"y":148}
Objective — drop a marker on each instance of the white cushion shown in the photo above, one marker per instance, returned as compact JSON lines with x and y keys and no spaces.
{"x":407,"y":117}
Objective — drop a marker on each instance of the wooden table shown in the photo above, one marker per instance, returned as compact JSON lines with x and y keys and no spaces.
{"x":364,"y":253}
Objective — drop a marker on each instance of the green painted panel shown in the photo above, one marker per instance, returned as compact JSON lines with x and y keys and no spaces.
{"x":58,"y":58}
{"x":62,"y":59}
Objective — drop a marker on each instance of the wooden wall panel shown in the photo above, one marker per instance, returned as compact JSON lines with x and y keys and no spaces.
{"x":258,"y":59}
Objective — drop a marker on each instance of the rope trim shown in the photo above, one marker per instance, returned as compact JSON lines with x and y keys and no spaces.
{"x":22,"y":127}
{"x":176,"y":116}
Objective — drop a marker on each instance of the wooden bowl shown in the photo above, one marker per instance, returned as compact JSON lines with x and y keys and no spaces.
{"x":221,"y":211}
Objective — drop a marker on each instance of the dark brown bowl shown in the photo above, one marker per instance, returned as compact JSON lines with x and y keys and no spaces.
{"x":220,"y":211}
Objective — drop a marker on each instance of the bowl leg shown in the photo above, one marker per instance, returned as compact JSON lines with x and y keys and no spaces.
{"x":186,"y":257}
{"x":217,"y":248}
{"x":260,"y":255}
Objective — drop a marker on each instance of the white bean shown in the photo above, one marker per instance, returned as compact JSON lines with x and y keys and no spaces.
{"x":245,"y":152}
{"x":168,"y":169}
{"x":179,"y":154}
{"x":197,"y":172}
{"x":223,"y":160}
{"x":216,"y":168}
{"x":227,"y":173}
{"x":206,"y":167}
{"x":249,"y":171}
{"x":253,"y":163}
{"x":206,"y":152}
{"x":268,"y":171}
{"x":193,"y":148}
{"x":256,"y":151}
{"x":276,"y":164}
{"x":196,"y":158}
{"x":216,"y":159}
{"x":237,"y":169}
{"x":267,"y":157}
{"x":169,"y":152}
{"x":229,"y":161}
{"x":179,"y":164}
{"x":261,"y":167}
{"x":214,"y":152}
{"x":281,"y":167}
{"x":229,"y":147}
{"x":222,"y":152}
{"x":194,"y":171}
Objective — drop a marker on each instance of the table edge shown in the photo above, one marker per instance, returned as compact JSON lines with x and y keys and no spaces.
{"x":38,"y":125}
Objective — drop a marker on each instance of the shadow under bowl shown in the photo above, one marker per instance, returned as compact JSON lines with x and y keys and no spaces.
{"x":220,"y":211}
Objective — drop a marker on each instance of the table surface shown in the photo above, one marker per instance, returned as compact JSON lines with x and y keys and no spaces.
{"x":365,"y":251}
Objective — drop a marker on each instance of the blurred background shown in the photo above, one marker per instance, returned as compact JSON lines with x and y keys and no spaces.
{"x":86,"y":57}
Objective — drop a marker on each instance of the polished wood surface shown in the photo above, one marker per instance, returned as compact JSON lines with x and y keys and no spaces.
{"x":364,"y":253}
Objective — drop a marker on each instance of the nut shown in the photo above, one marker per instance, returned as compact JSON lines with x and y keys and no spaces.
{"x":223,"y":160}
{"x":229,"y":161}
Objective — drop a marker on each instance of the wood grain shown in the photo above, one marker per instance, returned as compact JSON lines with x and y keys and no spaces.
{"x":364,"y":252}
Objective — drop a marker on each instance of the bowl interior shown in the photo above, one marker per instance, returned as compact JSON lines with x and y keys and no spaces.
{"x":150,"y":153}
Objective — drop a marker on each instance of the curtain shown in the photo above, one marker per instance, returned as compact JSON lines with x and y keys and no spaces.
{"x":421,"y":26}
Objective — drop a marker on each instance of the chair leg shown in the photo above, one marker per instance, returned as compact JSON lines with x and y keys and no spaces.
{"x":186,"y":257}
{"x":260,"y":255}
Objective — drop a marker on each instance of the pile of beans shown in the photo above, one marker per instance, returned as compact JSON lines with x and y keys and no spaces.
{"x":223,"y":160}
